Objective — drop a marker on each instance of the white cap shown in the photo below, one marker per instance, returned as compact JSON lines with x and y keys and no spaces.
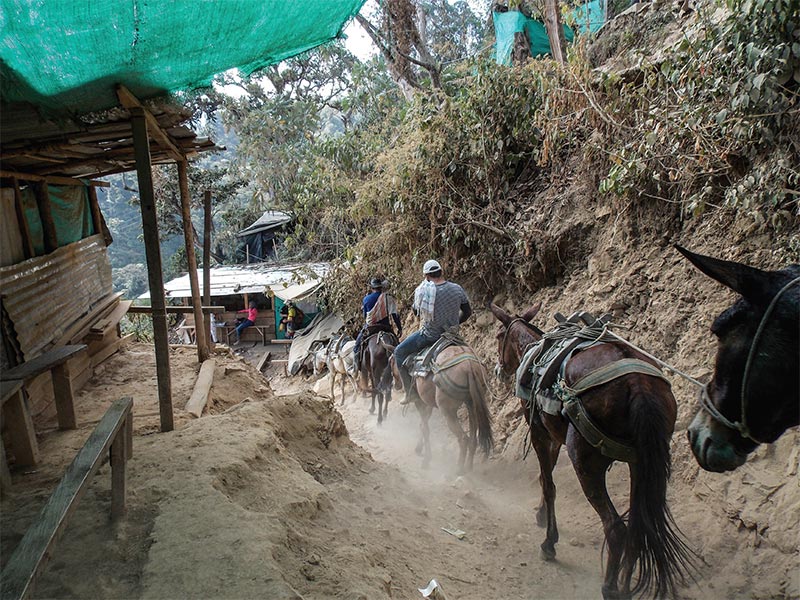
{"x":431,"y":266}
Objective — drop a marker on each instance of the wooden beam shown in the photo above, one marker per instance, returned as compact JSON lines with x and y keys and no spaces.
{"x":22,"y":219}
{"x":129,"y":101}
{"x":46,"y":216}
{"x":191,"y":259}
{"x":207,"y":224}
{"x":202,"y":388}
{"x":52,"y":179}
{"x":155,"y":276}
{"x":146,"y":310}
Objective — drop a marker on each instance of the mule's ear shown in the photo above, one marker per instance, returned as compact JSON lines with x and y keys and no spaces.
{"x":532,"y":312}
{"x":753,"y":284}
{"x":501,"y":314}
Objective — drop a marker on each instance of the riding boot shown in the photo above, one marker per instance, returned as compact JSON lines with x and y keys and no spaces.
{"x":409,"y":387}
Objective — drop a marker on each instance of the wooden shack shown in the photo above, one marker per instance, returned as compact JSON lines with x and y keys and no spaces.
{"x":55,"y":275}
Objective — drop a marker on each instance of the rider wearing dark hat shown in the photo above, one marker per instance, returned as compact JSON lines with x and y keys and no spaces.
{"x":378,"y":307}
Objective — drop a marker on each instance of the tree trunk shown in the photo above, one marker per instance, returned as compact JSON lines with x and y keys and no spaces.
{"x":555,"y":32}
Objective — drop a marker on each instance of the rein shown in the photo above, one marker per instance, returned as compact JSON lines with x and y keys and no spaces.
{"x":504,"y":345}
{"x":705,"y":400}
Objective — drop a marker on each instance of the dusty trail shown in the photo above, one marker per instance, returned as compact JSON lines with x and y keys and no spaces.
{"x":275,"y":494}
{"x":494,"y":505}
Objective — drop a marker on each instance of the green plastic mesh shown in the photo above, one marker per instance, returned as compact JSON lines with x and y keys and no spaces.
{"x":67,"y":55}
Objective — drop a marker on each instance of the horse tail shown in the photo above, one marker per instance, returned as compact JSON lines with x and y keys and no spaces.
{"x":478,"y":409}
{"x":655,"y":550}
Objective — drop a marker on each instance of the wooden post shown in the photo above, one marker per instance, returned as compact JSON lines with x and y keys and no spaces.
{"x":27,"y":242}
{"x":555,"y":32}
{"x":154,"y":274}
{"x":46,"y":215}
{"x":62,"y":389}
{"x":191,"y":259}
{"x":20,"y":430}
{"x":118,"y":475}
{"x":207,"y":225}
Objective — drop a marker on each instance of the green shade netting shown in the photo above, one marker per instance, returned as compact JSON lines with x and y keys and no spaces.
{"x":67,"y":55}
{"x":71,"y":212}
{"x":587,"y":17}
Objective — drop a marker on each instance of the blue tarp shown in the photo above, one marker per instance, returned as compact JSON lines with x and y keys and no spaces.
{"x":587,"y":17}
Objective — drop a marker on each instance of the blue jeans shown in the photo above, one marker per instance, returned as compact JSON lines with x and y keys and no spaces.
{"x":411,"y":345}
{"x":242,"y":326}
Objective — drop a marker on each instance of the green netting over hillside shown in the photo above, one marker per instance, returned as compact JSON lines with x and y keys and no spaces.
{"x":67,"y":55}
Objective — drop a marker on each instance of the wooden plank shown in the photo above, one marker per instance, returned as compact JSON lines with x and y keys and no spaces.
{"x":264,"y":360}
{"x":155,"y":278}
{"x":42,"y":363}
{"x":52,"y":179}
{"x":20,"y":573}
{"x":202,"y":388}
{"x":97,"y":215}
{"x":109,"y":322}
{"x":207,"y":225}
{"x":146,"y":310}
{"x":78,"y":330}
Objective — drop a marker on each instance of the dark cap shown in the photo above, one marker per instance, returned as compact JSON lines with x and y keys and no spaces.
{"x":376,"y":283}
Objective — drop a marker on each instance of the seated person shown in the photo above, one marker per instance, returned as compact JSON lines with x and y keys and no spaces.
{"x":252,"y":314}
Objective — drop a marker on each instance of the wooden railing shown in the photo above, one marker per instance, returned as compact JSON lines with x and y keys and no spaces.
{"x":114,"y":434}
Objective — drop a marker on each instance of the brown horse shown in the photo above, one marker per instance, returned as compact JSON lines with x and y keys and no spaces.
{"x":635,"y":407}
{"x":375,"y":374}
{"x":458,"y":378}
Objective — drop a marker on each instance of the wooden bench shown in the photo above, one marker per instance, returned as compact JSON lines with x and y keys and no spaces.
{"x":55,"y":361}
{"x":263,"y":331}
{"x":114,"y":434}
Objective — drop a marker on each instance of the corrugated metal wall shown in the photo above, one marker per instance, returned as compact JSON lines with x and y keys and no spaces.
{"x":44,"y":296}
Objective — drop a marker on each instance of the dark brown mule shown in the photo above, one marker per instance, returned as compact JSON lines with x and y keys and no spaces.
{"x":754,"y":395}
{"x":459,"y":379}
{"x":635,"y":407}
{"x":376,"y":375}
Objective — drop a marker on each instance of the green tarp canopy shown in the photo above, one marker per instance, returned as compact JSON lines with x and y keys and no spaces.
{"x":67,"y":55}
{"x":586,"y":17}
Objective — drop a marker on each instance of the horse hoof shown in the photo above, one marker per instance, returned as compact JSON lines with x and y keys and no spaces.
{"x":548,"y":554}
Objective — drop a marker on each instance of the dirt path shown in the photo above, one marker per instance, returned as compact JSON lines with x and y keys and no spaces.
{"x":494,"y":506}
{"x":276,"y":495}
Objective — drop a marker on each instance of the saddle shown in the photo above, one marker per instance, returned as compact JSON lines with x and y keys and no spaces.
{"x":542,"y":364}
{"x":541,"y":383}
{"x":374,"y":331}
{"x":421,"y":363}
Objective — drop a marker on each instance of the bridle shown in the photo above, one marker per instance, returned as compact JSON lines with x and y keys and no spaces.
{"x":705,"y":400}
{"x":500,"y":364}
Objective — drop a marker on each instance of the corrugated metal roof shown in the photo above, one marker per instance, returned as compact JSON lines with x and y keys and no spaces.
{"x":250,"y":279}
{"x":269,"y":220}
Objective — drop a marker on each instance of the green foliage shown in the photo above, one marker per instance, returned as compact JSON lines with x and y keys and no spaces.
{"x":706,"y":125}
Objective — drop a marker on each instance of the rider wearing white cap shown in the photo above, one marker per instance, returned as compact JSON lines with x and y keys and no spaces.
{"x":441,"y":305}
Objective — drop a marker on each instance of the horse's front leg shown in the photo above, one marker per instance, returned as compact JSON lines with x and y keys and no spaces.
{"x":547,"y":452}
{"x":591,"y":468}
{"x":376,"y":393}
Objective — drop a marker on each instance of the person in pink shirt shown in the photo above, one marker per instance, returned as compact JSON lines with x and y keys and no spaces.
{"x":252,"y":314}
